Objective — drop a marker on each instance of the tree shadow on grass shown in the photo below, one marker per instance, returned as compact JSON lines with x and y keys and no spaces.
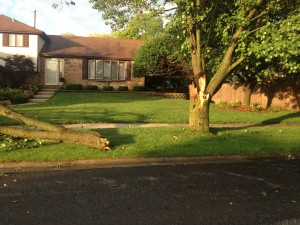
{"x":280,"y":119}
{"x":224,"y":143}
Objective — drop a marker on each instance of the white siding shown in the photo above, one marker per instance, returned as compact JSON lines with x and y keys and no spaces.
{"x":35,"y":45}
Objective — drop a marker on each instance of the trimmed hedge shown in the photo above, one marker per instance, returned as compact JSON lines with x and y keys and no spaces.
{"x":16,"y":96}
{"x":108,"y":88}
{"x":74,"y":87}
{"x":138,"y":88}
{"x":92,"y":87}
{"x":122,"y":88}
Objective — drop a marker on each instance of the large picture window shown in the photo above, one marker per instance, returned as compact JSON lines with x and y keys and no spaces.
{"x":106,"y":70}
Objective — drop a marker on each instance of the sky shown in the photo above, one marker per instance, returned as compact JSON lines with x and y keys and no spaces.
{"x":80,"y":19}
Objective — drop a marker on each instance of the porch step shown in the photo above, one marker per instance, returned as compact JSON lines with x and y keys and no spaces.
{"x":43,"y":95}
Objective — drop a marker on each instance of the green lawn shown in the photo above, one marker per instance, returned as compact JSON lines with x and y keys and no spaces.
{"x":155,"y":142}
{"x":170,"y":142}
{"x":77,"y":107}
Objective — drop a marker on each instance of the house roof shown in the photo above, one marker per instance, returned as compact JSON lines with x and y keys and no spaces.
{"x":90,"y":47}
{"x":10,"y":25}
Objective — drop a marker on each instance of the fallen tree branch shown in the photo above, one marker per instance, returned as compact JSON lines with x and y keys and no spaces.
{"x":29,"y":121}
{"x":50,"y":132}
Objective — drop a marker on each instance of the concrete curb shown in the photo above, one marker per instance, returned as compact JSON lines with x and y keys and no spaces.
{"x":131,"y":162}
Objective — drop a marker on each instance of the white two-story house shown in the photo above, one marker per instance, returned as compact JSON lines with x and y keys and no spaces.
{"x":21,"y":39}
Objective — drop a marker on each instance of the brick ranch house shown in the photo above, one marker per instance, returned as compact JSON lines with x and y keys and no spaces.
{"x":80,"y":60}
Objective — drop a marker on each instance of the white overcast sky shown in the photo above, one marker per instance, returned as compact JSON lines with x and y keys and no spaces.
{"x":80,"y":19}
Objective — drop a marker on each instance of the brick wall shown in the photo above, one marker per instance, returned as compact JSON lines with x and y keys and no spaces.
{"x":73,"y":71}
{"x":285,"y":96}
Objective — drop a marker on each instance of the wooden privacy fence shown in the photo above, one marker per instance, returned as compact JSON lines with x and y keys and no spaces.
{"x":284,"y":96}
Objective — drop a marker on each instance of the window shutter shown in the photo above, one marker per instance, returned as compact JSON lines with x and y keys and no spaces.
{"x":26,"y":40}
{"x":5,"y":39}
{"x":128,"y":71}
{"x":84,"y":69}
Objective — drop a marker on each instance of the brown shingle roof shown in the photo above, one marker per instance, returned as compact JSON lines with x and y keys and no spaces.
{"x":8,"y":24}
{"x":90,"y":47}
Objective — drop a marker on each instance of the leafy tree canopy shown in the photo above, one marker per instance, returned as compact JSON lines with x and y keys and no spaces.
{"x":160,"y":56}
{"x":142,"y":26}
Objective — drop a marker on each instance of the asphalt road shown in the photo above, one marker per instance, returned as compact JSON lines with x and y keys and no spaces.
{"x":260,"y":192}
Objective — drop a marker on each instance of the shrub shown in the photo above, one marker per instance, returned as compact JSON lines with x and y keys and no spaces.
{"x":256,"y":107}
{"x":108,"y":88}
{"x":123,"y":88}
{"x":16,"y":68}
{"x":91,"y":87}
{"x":16,"y":96}
{"x":74,"y":87}
{"x":138,"y":88}
{"x":34,"y":88}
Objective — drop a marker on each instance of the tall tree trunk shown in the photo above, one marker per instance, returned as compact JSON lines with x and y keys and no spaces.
{"x":248,"y":88}
{"x":199,"y":112}
{"x":199,"y":117}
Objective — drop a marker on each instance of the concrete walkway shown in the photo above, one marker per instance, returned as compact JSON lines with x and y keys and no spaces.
{"x":144,"y":125}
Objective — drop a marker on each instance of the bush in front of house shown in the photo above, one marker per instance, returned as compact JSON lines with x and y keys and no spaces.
{"x":74,"y":87}
{"x":92,"y":87}
{"x":138,"y":88}
{"x":15,"y":96}
{"x":16,"y":68}
{"x":108,"y":88}
{"x":122,"y":88}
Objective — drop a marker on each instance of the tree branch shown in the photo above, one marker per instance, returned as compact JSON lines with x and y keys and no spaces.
{"x":50,"y":132}
{"x":235,"y":64}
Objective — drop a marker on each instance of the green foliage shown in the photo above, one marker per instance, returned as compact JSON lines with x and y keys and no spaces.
{"x":117,"y":13}
{"x":74,"y":87}
{"x":16,"y":68}
{"x":159,"y":56}
{"x":138,"y":88}
{"x":16,"y":96}
{"x":122,"y":88}
{"x":142,"y":26}
{"x":92,"y":87}
{"x":108,"y":88}
{"x":32,"y":87}
{"x":8,"y":143}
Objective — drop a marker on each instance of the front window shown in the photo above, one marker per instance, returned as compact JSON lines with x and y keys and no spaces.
{"x":106,"y":70}
{"x":16,"y":40}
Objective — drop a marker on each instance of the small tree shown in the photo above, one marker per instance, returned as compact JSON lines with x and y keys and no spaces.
{"x":163,"y":65}
{"x":16,"y":68}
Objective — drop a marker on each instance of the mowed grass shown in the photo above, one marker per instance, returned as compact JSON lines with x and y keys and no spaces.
{"x":76,"y":107}
{"x":66,"y":108}
{"x":170,"y":142}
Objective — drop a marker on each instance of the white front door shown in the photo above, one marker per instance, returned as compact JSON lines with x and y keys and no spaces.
{"x":52,"y":72}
